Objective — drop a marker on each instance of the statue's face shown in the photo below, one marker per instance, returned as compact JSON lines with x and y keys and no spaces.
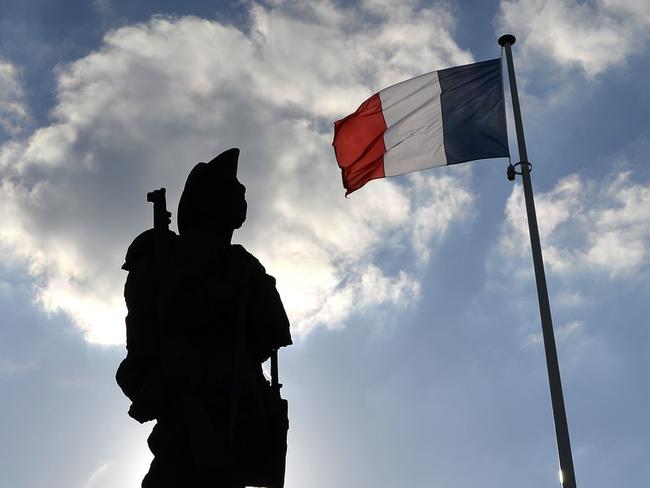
{"x":231,"y":207}
{"x":240,"y":206}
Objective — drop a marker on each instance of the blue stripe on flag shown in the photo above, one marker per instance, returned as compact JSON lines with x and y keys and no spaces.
{"x":473,"y":112}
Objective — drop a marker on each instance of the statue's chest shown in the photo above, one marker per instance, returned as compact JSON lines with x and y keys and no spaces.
{"x":205,"y":303}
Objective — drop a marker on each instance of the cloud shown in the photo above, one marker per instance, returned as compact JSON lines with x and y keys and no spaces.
{"x":157,"y":97}
{"x":13,"y":110}
{"x":594,"y":36}
{"x":570,"y":298}
{"x":439,"y":202}
{"x":567,"y":331}
{"x":585,"y":226}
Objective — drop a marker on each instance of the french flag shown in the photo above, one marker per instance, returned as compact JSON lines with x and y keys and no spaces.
{"x":444,"y":117}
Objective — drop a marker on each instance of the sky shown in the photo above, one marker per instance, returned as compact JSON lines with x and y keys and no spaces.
{"x":417,"y":357}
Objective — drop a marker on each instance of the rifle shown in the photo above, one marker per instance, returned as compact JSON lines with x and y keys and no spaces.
{"x":161,"y":220}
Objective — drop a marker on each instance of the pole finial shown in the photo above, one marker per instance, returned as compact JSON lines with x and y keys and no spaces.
{"x":507,"y":39}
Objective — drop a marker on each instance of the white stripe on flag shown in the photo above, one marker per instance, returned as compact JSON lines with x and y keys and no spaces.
{"x":414,"y":135}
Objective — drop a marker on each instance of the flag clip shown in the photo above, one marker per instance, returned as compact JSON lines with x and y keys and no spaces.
{"x":512,"y":169}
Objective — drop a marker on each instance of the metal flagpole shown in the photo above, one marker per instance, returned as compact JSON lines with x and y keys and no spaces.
{"x":567,"y":475}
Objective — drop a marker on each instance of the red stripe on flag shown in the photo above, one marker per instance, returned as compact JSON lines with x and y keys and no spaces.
{"x":359,"y":144}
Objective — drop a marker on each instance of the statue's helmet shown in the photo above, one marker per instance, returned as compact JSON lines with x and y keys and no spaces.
{"x":213,"y":196}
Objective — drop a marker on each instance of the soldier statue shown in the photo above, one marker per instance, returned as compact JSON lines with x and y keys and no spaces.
{"x":203,"y":315}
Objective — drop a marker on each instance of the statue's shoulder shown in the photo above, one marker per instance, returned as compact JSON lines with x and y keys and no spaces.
{"x":142,"y":248}
{"x":246,"y":260}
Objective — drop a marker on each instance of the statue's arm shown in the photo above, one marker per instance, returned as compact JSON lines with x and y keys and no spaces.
{"x":269,"y":321}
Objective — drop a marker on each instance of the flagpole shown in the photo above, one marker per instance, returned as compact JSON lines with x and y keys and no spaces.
{"x":567,"y":475}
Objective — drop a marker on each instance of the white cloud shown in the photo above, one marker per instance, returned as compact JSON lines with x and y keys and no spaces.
{"x":570,"y":330}
{"x":593,"y":35}
{"x":570,"y":298}
{"x":13,"y":110}
{"x":445,"y":201}
{"x":585,"y":226}
{"x":366,"y":287}
{"x":155,"y":98}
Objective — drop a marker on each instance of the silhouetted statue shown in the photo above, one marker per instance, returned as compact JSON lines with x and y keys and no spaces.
{"x":203,"y":316}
